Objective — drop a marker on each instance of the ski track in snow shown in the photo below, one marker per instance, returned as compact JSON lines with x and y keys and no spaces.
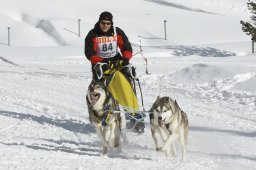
{"x":204,"y":66}
{"x":39,"y":118}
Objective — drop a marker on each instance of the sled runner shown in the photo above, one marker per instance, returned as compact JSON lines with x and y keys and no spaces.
{"x":120,"y":82}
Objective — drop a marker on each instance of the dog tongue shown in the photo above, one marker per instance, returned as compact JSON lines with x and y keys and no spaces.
{"x":161,"y":122}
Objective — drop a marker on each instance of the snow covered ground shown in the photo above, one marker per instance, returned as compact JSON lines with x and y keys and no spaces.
{"x":205,"y":64}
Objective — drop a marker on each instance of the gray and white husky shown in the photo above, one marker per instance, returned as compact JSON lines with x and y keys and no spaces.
{"x":169,"y":122}
{"x":102,"y":115}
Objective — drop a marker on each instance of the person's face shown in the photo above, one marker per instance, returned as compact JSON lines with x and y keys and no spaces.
{"x":105,"y":25}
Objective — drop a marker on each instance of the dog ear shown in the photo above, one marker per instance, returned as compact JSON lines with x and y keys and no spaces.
{"x":87,"y":99}
{"x":176,"y":104}
{"x":158,"y":98}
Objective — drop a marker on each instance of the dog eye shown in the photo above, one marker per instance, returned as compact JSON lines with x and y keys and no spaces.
{"x":157,"y":110}
{"x":164,"y":110}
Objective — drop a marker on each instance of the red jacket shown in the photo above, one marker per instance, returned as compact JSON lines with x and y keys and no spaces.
{"x":90,"y":49}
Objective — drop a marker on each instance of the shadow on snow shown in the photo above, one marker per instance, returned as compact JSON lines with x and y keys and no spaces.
{"x":176,"y":5}
{"x":200,"y":51}
{"x":70,"y":125}
{"x":207,"y":129}
{"x":186,"y":50}
{"x":80,"y":148}
{"x":232,"y":156}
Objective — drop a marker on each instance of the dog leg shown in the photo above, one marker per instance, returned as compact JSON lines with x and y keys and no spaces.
{"x":155,"y":138}
{"x":171,"y":151}
{"x":112,"y":135}
{"x":117,"y":140}
{"x":101,"y":136}
{"x":123,"y":134}
{"x":123,"y":127}
{"x":171,"y":138}
{"x":183,"y":144}
{"x":164,"y":133}
{"x":117,"y":135}
{"x":174,"y":150}
{"x":168,"y":151}
{"x":122,"y":120}
{"x":105,"y":150}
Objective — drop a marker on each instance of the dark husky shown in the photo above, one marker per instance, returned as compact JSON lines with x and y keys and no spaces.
{"x":105,"y":115}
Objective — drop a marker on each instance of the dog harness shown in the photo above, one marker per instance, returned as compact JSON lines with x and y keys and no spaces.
{"x":107,"y":115}
{"x":104,"y":118}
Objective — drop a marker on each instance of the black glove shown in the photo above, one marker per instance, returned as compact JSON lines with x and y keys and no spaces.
{"x":119,"y":61}
{"x":100,"y":69}
{"x":106,"y":60}
{"x":129,"y":71}
{"x":125,"y":61}
{"x":118,"y":57}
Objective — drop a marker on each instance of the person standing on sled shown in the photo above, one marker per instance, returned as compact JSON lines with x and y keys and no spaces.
{"x":102,"y":46}
{"x":102,"y":43}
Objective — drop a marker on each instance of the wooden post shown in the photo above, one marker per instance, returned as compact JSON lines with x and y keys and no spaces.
{"x":165,"y":30}
{"x":79,"y":33}
{"x":145,"y":59}
{"x":9,"y":41}
{"x":252,"y":46}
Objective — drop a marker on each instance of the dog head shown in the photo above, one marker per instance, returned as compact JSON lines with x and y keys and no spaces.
{"x":163,"y":110}
{"x":96,"y":95}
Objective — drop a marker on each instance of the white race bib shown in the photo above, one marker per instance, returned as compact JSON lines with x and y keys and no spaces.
{"x":107,"y":46}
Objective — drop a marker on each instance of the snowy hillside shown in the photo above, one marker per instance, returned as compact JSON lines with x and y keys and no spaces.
{"x":188,"y":22}
{"x":205,"y":64}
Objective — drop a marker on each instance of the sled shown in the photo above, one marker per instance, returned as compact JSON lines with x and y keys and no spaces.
{"x":123,"y":90}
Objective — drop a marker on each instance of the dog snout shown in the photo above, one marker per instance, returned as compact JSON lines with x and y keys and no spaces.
{"x":160,"y":118}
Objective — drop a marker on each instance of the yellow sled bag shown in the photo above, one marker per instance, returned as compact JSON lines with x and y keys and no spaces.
{"x":122,"y":91}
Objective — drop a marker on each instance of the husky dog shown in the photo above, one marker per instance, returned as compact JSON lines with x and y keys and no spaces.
{"x":101,"y":107}
{"x":170,"y":122}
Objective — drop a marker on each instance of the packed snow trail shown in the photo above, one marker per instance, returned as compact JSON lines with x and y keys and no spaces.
{"x":44,"y":121}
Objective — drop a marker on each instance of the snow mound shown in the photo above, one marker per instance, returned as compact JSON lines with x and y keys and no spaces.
{"x":248,"y":84}
{"x":198,"y":73}
{"x":236,"y":81}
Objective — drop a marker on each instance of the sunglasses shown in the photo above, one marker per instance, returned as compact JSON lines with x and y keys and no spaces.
{"x":105,"y":23}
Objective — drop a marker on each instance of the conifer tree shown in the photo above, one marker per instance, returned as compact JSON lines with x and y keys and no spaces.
{"x":248,"y":27}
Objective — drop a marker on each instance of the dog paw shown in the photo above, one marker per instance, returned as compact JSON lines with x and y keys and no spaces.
{"x":105,"y":156}
{"x":116,"y":145}
{"x":164,"y":148}
{"x":111,"y":144}
{"x":106,"y":145}
{"x":174,"y":154}
{"x":158,"y":149}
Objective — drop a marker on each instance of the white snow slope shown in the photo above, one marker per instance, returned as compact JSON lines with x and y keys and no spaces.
{"x":205,"y":64}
